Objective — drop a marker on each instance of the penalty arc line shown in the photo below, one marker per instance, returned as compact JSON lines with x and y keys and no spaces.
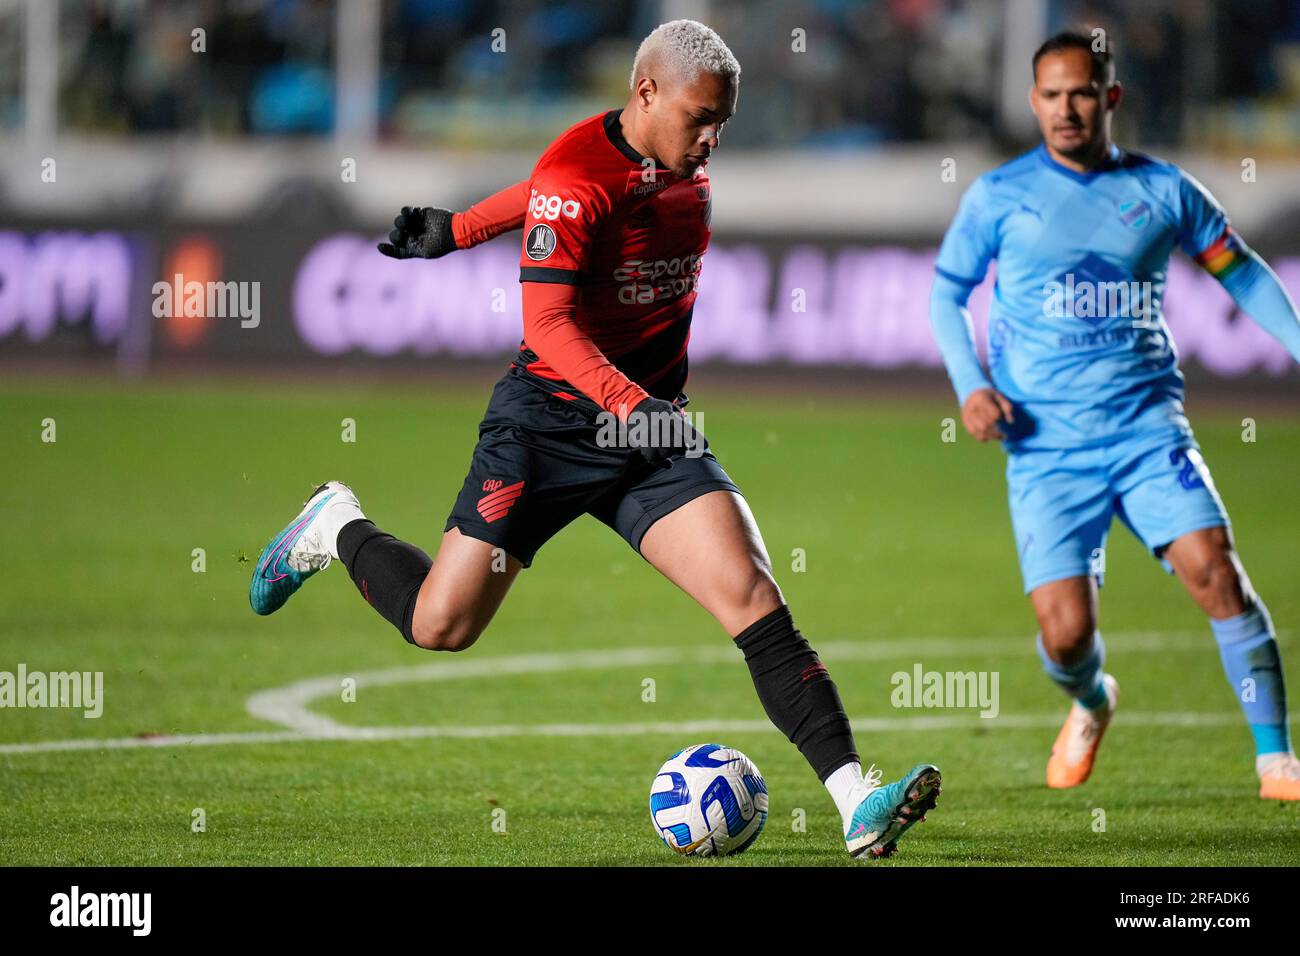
{"x":287,"y":706}
{"x":861,"y":725}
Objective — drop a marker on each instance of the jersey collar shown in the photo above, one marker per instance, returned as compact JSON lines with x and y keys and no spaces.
{"x":614,"y":130}
{"x":1112,"y":162}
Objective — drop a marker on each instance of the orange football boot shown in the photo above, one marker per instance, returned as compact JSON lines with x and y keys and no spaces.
{"x":1076,"y":745}
{"x":1279,"y":778}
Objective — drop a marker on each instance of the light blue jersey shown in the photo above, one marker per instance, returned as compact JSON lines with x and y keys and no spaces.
{"x":1077,"y":340}
{"x":1078,"y":343}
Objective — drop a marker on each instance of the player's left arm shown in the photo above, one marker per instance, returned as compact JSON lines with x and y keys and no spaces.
{"x":430,"y":232}
{"x":1208,"y":238}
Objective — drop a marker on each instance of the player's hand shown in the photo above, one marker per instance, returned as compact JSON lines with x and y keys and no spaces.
{"x":658,"y":429}
{"x":420,"y":232}
{"x":983,"y":409}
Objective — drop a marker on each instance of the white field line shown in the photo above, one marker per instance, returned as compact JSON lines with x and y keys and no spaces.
{"x":288,"y":706}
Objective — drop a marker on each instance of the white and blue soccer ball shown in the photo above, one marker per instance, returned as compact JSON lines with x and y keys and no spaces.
{"x":708,"y":800}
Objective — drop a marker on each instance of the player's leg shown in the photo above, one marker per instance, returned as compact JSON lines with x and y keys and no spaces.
{"x":439,"y":605}
{"x":1170,"y":502}
{"x":533,"y":470}
{"x":442,"y":605}
{"x":731,"y":575}
{"x":1069,"y":643}
{"x":1073,"y":655}
{"x":1060,"y":512}
{"x":711,"y":548}
{"x":1207,"y":563}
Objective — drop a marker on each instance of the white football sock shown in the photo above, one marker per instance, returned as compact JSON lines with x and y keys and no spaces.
{"x":847,"y":789}
{"x":1264,"y":762}
{"x":341,"y":509}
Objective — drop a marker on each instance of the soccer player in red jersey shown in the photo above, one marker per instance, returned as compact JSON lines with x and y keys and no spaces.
{"x":588,"y":419}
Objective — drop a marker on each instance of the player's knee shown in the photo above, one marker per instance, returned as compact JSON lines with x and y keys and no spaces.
{"x":1216,"y":583}
{"x":1067,"y":631}
{"x":441,"y":631}
{"x":753,"y":596}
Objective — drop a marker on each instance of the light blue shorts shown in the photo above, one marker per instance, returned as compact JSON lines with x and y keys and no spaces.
{"x":1062,"y":502}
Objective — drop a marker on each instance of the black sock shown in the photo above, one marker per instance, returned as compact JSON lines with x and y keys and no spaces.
{"x":387,"y":572}
{"x":797,"y":692}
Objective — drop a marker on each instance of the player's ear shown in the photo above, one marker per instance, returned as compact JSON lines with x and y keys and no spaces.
{"x":1114,"y":95}
{"x":646,"y":91}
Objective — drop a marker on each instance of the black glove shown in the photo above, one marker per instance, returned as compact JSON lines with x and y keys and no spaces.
{"x":420,"y":232}
{"x":658,"y":429}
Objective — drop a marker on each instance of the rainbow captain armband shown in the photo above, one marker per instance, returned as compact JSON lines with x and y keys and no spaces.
{"x":1225,"y":256}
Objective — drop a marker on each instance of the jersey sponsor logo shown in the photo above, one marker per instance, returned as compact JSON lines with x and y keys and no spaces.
{"x":552,"y":207}
{"x":497,"y":503}
{"x":540,"y":243}
{"x":650,"y":280}
{"x":1135,"y":213}
{"x":653,"y":186}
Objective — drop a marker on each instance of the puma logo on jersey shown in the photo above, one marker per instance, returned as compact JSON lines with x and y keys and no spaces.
{"x":552,"y":207}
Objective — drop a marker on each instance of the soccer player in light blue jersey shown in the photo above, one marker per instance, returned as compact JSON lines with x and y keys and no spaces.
{"x":1084,"y":390}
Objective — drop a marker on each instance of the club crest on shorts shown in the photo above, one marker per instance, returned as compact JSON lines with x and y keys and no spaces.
{"x":498,"y":500}
{"x":540,"y":243}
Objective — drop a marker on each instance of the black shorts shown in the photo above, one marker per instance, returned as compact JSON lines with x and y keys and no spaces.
{"x":537,"y":466}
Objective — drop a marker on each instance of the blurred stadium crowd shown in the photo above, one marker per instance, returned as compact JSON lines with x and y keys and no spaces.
{"x":878,"y":71}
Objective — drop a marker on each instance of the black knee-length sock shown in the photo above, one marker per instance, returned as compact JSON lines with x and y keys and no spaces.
{"x":386,"y":571}
{"x":797,"y":692}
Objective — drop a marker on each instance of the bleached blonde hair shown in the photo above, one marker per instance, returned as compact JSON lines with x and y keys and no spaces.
{"x":686,"y":48}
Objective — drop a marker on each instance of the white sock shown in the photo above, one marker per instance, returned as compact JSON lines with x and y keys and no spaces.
{"x":1264,"y":762}
{"x":341,"y":509}
{"x":847,"y":789}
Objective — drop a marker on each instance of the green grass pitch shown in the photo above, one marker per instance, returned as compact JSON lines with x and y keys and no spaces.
{"x":909,"y":560}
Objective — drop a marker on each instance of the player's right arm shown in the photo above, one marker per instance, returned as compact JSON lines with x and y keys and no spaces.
{"x":428,"y":232}
{"x":968,"y":247}
{"x":552,"y":332}
{"x":560,"y":231}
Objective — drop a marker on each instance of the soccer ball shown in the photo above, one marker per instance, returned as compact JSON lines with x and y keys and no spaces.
{"x":708,"y":800}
